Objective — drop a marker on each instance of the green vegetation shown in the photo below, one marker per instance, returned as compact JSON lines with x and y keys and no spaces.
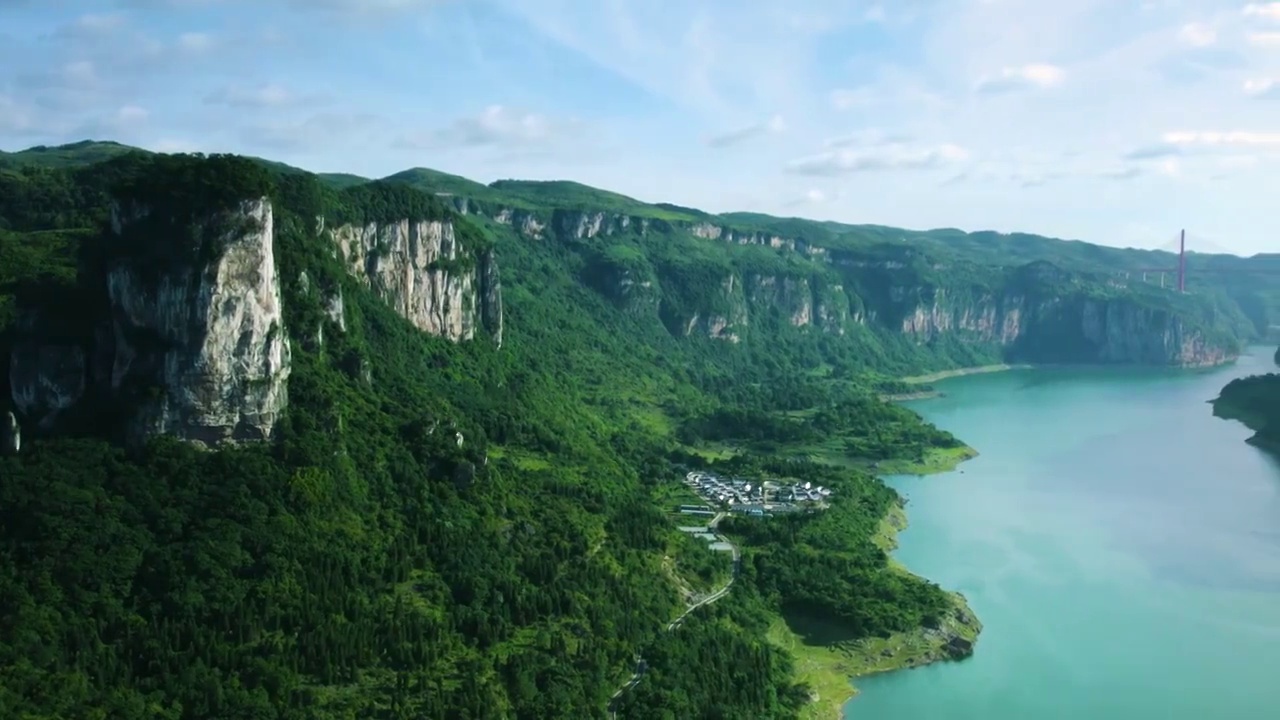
{"x":718,"y":664}
{"x":1254,"y":401}
{"x":364,"y":564}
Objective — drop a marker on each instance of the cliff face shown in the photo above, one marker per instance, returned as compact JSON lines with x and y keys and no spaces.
{"x":1034,"y":313}
{"x":420,"y":269}
{"x":196,"y":349}
{"x":188,"y":339}
{"x":209,"y":336}
{"x":1023,"y":313}
{"x":1068,"y":330}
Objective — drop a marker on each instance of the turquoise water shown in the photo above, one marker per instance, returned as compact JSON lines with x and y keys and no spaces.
{"x":1120,"y":544}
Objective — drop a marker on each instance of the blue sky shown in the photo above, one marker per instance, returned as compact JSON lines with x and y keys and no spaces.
{"x":1110,"y":121}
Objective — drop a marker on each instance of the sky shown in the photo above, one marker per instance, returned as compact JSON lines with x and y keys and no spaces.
{"x":1117,"y":122}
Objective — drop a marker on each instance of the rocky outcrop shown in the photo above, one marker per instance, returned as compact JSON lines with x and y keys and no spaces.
{"x":422,"y":271}
{"x":46,"y":379}
{"x":205,"y":341}
{"x":491,"y":296}
{"x":1066,"y":329}
{"x":586,"y":225}
{"x":10,"y":434}
{"x":1125,"y":332}
{"x":191,"y":340}
{"x":719,"y":312}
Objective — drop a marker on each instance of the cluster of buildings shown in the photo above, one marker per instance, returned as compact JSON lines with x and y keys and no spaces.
{"x":738,"y":495}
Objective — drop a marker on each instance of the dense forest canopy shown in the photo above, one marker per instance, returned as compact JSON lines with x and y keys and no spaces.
{"x":1255,"y":401}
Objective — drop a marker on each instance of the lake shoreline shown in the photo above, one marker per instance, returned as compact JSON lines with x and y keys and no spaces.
{"x":1019,"y":532}
{"x":1005,"y":367}
{"x":833,"y":668}
{"x":961,"y":372}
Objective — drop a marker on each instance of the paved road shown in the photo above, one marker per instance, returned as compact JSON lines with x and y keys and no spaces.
{"x":640,"y":668}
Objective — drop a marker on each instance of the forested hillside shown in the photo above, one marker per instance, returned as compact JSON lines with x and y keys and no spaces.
{"x":450,"y":497}
{"x":1254,"y":401}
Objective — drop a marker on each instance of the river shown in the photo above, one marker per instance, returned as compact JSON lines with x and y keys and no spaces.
{"x":1120,"y":544}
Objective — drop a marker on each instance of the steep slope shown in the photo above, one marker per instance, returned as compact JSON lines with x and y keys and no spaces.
{"x":886,"y":306}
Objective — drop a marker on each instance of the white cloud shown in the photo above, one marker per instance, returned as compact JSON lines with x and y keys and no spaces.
{"x":1198,"y":35}
{"x":1264,"y":39}
{"x":1269,"y":10}
{"x":1220,"y":138}
{"x":496,"y":126}
{"x":1262,"y":87}
{"x":1034,"y":75}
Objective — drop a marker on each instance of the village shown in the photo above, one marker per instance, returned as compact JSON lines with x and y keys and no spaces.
{"x":742,"y":496}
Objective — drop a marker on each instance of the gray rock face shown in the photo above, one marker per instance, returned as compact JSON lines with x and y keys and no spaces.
{"x":46,"y":379}
{"x":491,"y":296}
{"x":208,"y":341}
{"x":422,"y":271}
{"x":197,"y":351}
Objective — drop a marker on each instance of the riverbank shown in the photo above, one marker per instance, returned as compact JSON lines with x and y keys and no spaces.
{"x":904,"y":397}
{"x":829,"y":667}
{"x":934,"y":462}
{"x":961,"y":372}
{"x":1252,"y":403}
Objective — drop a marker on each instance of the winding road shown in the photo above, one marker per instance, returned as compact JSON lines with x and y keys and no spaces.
{"x":640,"y":663}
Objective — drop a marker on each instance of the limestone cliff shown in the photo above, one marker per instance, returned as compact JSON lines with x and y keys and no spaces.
{"x":1038,"y":313}
{"x":206,"y":340}
{"x":188,"y":339}
{"x":894,"y":290}
{"x":421,"y":269}
{"x":1029,"y":314}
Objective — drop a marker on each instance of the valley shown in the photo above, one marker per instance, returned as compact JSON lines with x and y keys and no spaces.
{"x":311,"y":446}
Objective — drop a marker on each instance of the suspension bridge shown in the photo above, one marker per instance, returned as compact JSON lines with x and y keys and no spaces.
{"x":1217,"y":261}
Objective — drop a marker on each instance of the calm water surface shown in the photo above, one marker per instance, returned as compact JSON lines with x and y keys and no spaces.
{"x":1120,"y":544}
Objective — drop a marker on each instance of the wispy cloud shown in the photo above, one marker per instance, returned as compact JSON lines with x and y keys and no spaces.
{"x":738,"y":135}
{"x":1034,"y":75}
{"x":891,"y":156}
{"x":497,"y":126}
